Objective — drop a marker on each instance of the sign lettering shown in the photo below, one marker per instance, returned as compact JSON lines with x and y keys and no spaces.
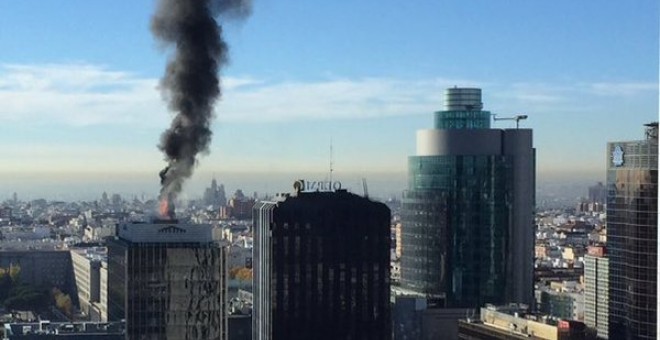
{"x":302,"y":185}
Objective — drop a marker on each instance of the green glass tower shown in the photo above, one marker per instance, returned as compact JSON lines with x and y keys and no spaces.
{"x":468,"y":231}
{"x":632,"y":236}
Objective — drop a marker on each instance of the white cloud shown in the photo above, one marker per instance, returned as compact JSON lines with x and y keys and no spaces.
{"x":83,"y":94}
{"x":340,"y":98}
{"x":78,"y":95}
{"x":622,"y":89}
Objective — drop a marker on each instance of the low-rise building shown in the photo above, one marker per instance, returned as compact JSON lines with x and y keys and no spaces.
{"x":513,"y":322}
{"x":46,"y":330}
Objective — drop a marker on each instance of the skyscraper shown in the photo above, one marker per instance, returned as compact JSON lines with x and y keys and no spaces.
{"x":468,"y":227}
{"x":632,"y":235}
{"x":321,"y":262}
{"x":168,"y":281}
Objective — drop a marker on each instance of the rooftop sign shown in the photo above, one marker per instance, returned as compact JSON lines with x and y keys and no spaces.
{"x":302,"y":185}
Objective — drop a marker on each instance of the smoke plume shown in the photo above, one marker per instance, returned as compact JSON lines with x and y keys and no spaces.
{"x":191,"y":85}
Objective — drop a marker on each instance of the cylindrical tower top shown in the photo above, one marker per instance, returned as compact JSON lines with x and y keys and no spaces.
{"x":463,"y":99}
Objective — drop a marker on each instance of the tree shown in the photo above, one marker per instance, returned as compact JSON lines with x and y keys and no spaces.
{"x":14,"y":272}
{"x":63,"y":302}
{"x":244,"y":274}
{"x":5,"y":286}
{"x":26,"y":297}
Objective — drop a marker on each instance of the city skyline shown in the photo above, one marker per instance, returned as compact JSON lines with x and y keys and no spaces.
{"x":78,"y":82}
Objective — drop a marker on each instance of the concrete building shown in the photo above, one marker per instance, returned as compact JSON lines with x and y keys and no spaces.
{"x":468,"y":224}
{"x":512,"y":322}
{"x":596,"y":290}
{"x":321,"y":267}
{"x":86,"y":270}
{"x":168,"y":281}
{"x":100,"y":308}
{"x":239,"y":257}
{"x":415,"y":317}
{"x":632,"y":236}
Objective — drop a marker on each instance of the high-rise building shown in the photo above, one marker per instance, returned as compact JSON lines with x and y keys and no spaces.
{"x":321,"y":262}
{"x":168,"y":281}
{"x":632,"y":235}
{"x":596,"y":290}
{"x":468,"y":224}
{"x":598,"y":193}
{"x":215,"y":195}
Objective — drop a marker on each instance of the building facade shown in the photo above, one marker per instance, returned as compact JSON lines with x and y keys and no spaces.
{"x":50,"y":268}
{"x":321,"y":268}
{"x":511,"y":322}
{"x":86,"y":270}
{"x":468,"y":226}
{"x":168,"y":281}
{"x":596,"y":291}
{"x":632,"y":236}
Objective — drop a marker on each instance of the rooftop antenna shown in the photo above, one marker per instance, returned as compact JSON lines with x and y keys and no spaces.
{"x":331,"y":169}
{"x":517,"y":118}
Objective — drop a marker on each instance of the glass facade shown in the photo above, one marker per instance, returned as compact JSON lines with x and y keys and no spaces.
{"x":168,"y":290}
{"x":632,"y":236}
{"x":596,"y":294}
{"x":456,"y":217}
{"x":467,"y":216}
{"x":328,"y":268}
{"x":462,"y":120}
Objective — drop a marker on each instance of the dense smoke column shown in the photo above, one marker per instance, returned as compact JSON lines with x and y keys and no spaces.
{"x":191,"y":84}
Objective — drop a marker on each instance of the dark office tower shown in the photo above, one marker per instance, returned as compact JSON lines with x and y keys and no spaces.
{"x":321,"y":262}
{"x":632,"y":235}
{"x":168,"y":281}
{"x":598,"y":194}
{"x":468,"y":233}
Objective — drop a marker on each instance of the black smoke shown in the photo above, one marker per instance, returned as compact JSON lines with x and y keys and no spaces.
{"x":191,"y":84}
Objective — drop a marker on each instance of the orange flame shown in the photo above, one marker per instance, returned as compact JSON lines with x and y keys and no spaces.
{"x":164,"y":207}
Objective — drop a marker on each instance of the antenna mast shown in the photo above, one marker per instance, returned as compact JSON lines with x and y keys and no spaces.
{"x":331,"y":169}
{"x":517,"y":118}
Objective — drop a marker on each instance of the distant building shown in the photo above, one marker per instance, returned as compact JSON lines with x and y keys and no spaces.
{"x":321,"y":268}
{"x":598,"y":193}
{"x":468,"y":224}
{"x":596,"y":290}
{"x":168,"y":280}
{"x":632,"y":236}
{"x":5,"y":213}
{"x":215,"y":195}
{"x":46,"y":330}
{"x":239,"y":207}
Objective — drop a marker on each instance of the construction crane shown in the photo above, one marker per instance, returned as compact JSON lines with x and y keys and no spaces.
{"x":517,"y":118}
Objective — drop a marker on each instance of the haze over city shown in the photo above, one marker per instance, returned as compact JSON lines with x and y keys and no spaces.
{"x":82,"y":113}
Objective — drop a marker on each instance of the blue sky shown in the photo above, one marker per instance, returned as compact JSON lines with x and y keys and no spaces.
{"x":79,"y":102}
